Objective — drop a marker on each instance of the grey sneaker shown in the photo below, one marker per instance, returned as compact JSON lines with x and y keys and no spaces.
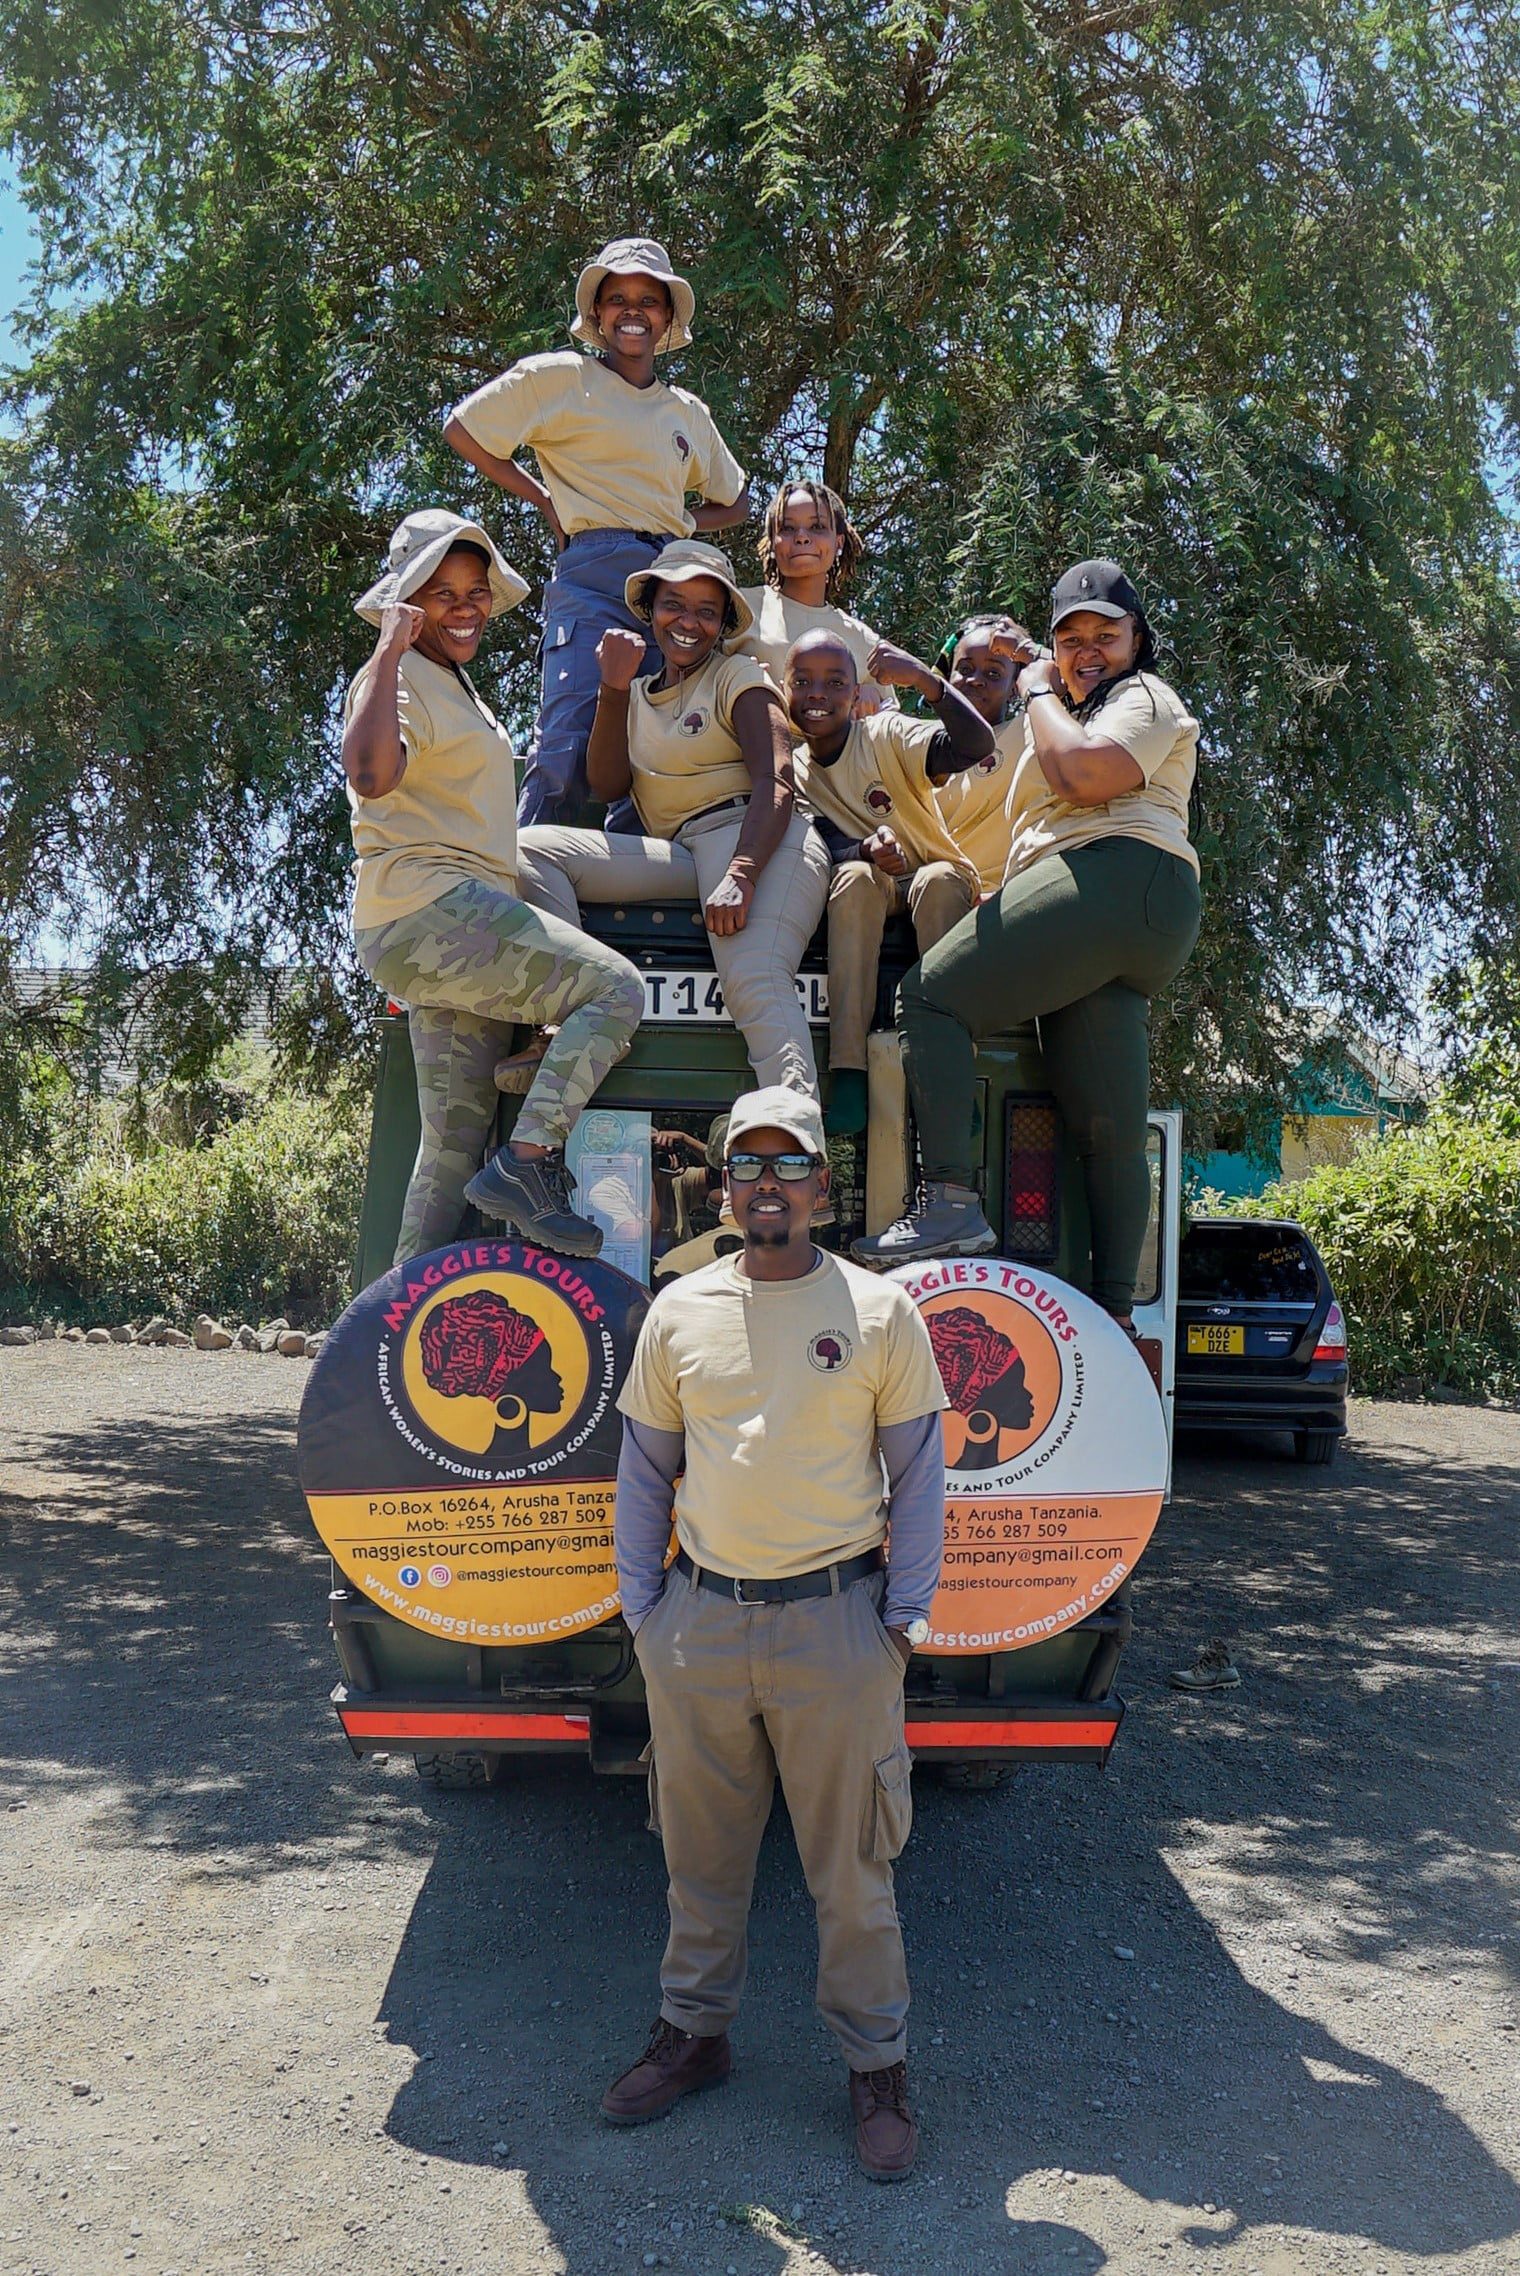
{"x":1213,"y":1670}
{"x":948,"y":1223}
{"x":534,"y":1198}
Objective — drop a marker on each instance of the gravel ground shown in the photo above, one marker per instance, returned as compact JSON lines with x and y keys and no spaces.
{"x":1247,"y":2004}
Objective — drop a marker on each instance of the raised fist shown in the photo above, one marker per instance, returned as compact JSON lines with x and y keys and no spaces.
{"x":619,"y":655}
{"x":400,"y":625}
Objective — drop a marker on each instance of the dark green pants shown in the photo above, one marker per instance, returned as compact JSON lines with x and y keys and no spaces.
{"x":1079,"y":942}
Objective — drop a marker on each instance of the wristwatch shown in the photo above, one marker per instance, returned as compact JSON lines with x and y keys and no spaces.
{"x":1046,"y":690}
{"x":916,"y":1631}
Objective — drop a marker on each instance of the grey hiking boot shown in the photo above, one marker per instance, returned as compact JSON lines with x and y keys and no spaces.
{"x":1213,"y":1670}
{"x":948,"y":1223}
{"x":534,"y":1198}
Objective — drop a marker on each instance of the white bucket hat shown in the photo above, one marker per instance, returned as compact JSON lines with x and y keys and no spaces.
{"x":677,"y":564}
{"x":633,"y":257}
{"x":419,"y":544}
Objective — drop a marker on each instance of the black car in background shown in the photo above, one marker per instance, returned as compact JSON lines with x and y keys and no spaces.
{"x":1261,"y":1341}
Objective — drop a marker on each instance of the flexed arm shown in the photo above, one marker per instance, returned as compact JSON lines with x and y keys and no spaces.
{"x":374,"y":756}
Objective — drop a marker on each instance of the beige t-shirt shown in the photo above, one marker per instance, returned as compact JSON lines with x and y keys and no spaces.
{"x":682,"y":745}
{"x":453,"y":814}
{"x":1160,"y":734}
{"x":779,"y":623}
{"x":879,"y":779}
{"x":974,"y":807}
{"x":612,"y":456}
{"x":781,"y":1388}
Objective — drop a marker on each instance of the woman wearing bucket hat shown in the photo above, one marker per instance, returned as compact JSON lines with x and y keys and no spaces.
{"x":621,"y":455}
{"x":704,"y":746}
{"x":438,"y":919}
{"x":1098,"y":912}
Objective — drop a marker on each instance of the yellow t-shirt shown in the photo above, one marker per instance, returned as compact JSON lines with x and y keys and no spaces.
{"x":781,"y":1388}
{"x":879,"y":778}
{"x":682,"y":746}
{"x":453,"y":814}
{"x":612,"y":456}
{"x":974,"y":807}
{"x":1160,"y":734}
{"x":780,"y":622}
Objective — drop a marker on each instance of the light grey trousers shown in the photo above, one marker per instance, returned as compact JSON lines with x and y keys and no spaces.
{"x":810,"y":1692}
{"x":757,"y":968}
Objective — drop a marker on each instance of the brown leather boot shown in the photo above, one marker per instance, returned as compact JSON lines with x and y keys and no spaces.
{"x":674,"y":2063}
{"x":886,"y":2132}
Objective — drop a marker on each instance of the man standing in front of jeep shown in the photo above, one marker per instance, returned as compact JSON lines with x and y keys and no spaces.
{"x":776,"y":1644}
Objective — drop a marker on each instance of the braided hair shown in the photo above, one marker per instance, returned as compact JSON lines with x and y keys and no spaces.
{"x":832,"y":507}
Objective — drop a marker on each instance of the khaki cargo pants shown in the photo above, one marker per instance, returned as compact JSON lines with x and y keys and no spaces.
{"x":861,"y":898}
{"x":811,"y":1692}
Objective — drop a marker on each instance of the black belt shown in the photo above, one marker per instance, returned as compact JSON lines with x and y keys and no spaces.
{"x":828,"y":1580}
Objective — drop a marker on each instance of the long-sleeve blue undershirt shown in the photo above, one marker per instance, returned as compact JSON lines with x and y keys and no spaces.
{"x":913,"y":1453}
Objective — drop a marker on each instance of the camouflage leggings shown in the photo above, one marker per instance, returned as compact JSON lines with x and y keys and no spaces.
{"x":469,"y":967}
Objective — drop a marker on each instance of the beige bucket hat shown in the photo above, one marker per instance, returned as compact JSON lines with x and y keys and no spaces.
{"x":630,"y":257}
{"x":679,"y":562}
{"x":419,"y":544}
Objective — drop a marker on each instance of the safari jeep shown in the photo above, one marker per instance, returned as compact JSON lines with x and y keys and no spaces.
{"x":645,"y":1157}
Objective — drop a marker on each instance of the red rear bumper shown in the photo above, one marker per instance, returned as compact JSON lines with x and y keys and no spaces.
{"x":1001,"y":1731}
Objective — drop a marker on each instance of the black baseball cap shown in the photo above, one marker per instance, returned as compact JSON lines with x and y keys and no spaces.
{"x":1100,"y":586}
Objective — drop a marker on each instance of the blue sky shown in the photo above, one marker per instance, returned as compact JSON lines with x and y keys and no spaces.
{"x":18,"y":246}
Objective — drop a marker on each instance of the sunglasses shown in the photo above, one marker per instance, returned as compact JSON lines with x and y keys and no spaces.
{"x":744,"y":1169}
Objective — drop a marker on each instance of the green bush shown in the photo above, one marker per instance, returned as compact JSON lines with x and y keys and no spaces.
{"x":1420,"y":1231}
{"x":106,"y":1216}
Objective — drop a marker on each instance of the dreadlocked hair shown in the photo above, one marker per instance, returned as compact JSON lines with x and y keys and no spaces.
{"x":828,"y":503}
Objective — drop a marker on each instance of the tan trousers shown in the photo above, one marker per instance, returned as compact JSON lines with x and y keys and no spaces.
{"x":757,"y":968}
{"x":811,"y":1691}
{"x":861,"y":898}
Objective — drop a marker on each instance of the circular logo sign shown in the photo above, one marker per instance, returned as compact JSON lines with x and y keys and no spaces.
{"x":1055,"y":1452}
{"x":830,"y":1350}
{"x":459,"y":1437}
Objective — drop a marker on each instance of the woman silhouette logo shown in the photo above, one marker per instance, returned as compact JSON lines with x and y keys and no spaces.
{"x":984,"y":1381}
{"x":477,"y":1346}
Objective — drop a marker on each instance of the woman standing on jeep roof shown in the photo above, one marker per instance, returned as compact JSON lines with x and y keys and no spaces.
{"x":438,"y":921}
{"x":1098,"y":912}
{"x":620,"y":454}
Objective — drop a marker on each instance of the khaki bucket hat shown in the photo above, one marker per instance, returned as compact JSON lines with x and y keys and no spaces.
{"x":419,"y":544}
{"x":680,"y":561}
{"x":630,"y":257}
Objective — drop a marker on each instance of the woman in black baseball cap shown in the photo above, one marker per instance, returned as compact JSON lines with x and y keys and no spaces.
{"x":1098,"y":912}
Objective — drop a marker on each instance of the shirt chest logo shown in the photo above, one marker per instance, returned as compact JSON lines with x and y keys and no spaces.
{"x":692,"y":723}
{"x":683,"y":447}
{"x":879,"y":798}
{"x":830,"y":1351}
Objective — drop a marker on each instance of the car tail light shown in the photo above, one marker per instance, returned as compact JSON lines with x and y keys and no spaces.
{"x":1332,"y":1336}
{"x":1032,"y":1180}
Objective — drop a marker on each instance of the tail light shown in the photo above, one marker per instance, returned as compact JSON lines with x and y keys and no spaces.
{"x":1332,"y":1336}
{"x":1032,"y":1181}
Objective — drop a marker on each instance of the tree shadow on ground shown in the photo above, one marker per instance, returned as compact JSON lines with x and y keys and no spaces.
{"x":520,"y":2027}
{"x":166,"y":1636}
{"x":163,"y":1630}
{"x":1366,"y":1604}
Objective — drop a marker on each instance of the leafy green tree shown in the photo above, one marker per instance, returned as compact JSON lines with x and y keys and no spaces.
{"x":1227,"y":290}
